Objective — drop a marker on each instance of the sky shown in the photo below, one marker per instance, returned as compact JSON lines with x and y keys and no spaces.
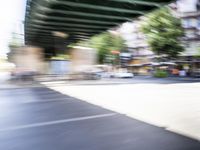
{"x":12,"y":12}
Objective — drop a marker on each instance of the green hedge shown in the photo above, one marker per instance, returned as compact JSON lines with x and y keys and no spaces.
{"x":160,"y":74}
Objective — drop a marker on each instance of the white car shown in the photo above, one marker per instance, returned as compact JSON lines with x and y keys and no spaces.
{"x":124,"y":75}
{"x":105,"y":74}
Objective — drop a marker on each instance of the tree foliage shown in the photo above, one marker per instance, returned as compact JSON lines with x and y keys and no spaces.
{"x":105,"y":43}
{"x":163,"y":32}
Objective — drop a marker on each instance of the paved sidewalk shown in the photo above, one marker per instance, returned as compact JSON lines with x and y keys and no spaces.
{"x":7,"y":85}
{"x":20,"y":84}
{"x":115,"y":81}
{"x":174,"y":106}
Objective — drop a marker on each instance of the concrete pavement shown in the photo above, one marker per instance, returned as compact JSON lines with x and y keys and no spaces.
{"x":173,"y":105}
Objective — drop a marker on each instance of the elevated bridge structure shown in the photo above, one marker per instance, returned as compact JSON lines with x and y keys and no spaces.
{"x":76,"y":20}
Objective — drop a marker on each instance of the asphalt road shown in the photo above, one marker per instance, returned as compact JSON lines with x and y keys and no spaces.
{"x":42,"y":119}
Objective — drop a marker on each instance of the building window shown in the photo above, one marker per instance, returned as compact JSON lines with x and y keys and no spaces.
{"x":198,"y":5}
{"x":190,"y":22}
{"x":186,"y":23}
{"x":198,"y":22}
{"x":194,"y":22}
{"x":190,"y":34}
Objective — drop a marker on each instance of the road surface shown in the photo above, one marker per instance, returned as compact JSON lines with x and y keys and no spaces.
{"x":42,"y":119}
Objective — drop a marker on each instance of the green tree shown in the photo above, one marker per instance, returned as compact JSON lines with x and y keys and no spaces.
{"x":163,"y":32}
{"x":105,"y":43}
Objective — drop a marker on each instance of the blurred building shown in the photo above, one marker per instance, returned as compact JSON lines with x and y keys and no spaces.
{"x":82,"y":58}
{"x":24,"y":57}
{"x":137,"y":46}
{"x":16,"y":41}
{"x":27,"y":58}
{"x":17,"y":38}
{"x":189,"y":12}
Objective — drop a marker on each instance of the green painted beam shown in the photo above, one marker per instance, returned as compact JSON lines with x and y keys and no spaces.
{"x":141,"y":2}
{"x":97,"y":7}
{"x":45,"y":16}
{"x":36,"y":33}
{"x":138,"y":2}
{"x":36,"y":30}
{"x":38,"y":22}
{"x":79,"y":20}
{"x":44,"y":10}
{"x":31,"y":33}
{"x":65,"y":29}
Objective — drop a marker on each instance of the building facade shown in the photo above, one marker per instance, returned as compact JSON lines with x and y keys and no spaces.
{"x":137,"y":46}
{"x":189,"y":12}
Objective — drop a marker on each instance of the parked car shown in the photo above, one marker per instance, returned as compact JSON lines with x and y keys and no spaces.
{"x":123,"y":75}
{"x":90,"y":76}
{"x":23,"y":74}
{"x":105,"y":74}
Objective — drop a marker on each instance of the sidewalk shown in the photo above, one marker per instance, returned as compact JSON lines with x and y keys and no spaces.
{"x":175,"y":106}
{"x":184,"y":78}
{"x":116,"y":81}
{"x":7,"y":85}
{"x":15,"y":85}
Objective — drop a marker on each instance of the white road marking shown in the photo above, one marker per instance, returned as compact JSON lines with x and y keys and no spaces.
{"x":57,"y":122}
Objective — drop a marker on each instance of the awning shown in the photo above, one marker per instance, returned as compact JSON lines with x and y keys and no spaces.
{"x":79,"y":19}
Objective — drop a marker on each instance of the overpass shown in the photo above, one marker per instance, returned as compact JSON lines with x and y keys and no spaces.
{"x":76,"y":20}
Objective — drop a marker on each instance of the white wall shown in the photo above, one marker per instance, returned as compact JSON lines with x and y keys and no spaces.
{"x":82,"y":58}
{"x":187,"y":5}
{"x":29,"y":58}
